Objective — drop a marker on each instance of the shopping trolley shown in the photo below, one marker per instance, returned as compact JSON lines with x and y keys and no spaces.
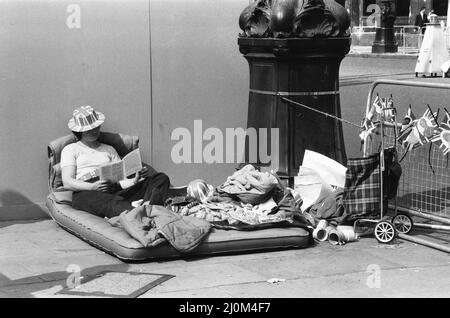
{"x":385,"y":228}
{"x":401,"y":223}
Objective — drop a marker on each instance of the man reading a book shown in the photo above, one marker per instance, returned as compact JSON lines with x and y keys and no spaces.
{"x":80,"y":163}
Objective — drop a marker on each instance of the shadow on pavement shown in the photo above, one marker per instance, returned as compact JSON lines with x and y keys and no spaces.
{"x":33,"y":284}
{"x":14,"y":199}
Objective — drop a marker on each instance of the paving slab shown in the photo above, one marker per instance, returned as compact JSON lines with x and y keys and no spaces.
{"x":338,"y":261}
{"x":198,"y":276}
{"x":210,"y":292}
{"x":409,"y":254}
{"x":392,"y":283}
{"x":10,"y":271}
{"x":28,"y":290}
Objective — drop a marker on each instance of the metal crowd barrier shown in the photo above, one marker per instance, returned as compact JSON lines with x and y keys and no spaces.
{"x":403,"y":34}
{"x":424,"y":188}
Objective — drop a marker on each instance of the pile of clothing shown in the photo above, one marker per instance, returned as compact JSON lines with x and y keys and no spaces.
{"x":248,"y":199}
{"x":249,"y":185}
{"x":212,"y":209}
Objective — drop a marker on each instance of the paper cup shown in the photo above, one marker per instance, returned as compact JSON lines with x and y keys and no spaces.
{"x":320,"y":235}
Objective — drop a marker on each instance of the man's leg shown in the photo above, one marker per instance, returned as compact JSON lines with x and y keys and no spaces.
{"x":100,"y":203}
{"x":153,"y":189}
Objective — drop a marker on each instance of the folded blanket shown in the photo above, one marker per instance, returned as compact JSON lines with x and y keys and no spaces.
{"x":153,"y":224}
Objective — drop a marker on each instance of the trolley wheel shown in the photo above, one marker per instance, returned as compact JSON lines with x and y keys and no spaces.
{"x":384,"y":232}
{"x":403,"y":223}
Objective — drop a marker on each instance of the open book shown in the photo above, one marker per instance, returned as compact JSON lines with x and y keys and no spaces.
{"x":119,"y":170}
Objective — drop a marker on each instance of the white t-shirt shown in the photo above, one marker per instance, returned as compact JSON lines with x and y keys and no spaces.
{"x":86,"y":159}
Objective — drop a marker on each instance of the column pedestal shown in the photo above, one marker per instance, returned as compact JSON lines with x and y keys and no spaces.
{"x":305,"y":70}
{"x":385,"y":41}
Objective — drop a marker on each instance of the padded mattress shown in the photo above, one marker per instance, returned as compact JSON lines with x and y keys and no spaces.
{"x":99,"y":233}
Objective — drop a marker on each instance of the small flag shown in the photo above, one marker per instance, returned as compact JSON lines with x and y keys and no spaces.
{"x":426,"y":127}
{"x":407,"y":124}
{"x":374,"y":111}
{"x":389,"y":112}
{"x":442,"y":136}
{"x":417,"y":132}
{"x":368,"y":123}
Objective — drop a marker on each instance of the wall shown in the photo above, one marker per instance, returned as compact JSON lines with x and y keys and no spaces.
{"x":47,"y":69}
{"x":198,"y":73}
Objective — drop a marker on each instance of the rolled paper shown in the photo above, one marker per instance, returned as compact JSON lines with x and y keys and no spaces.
{"x":336,"y":237}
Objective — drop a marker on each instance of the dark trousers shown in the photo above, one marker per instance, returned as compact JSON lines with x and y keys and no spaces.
{"x":153,"y":189}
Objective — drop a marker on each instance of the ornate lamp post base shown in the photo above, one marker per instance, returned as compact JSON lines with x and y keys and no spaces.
{"x":305,"y":71}
{"x":294,"y":49}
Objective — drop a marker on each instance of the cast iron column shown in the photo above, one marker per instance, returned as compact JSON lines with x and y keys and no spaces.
{"x":385,"y":41}
{"x":296,"y":56}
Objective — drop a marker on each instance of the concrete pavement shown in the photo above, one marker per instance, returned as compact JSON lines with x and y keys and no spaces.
{"x":36,"y":256}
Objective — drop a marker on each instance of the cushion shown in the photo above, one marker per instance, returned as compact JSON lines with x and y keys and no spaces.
{"x":56,"y":178}
{"x":116,"y":241}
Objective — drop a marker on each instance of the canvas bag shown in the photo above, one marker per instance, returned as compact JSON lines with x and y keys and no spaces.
{"x":362,"y":191}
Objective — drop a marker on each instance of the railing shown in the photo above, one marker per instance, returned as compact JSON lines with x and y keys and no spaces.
{"x":414,"y":33}
{"x":409,"y":37}
{"x":397,"y":28}
{"x":425,"y":183}
{"x":424,"y":187}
